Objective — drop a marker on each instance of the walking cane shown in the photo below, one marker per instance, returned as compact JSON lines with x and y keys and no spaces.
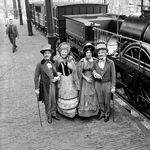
{"x":113,"y":99}
{"x":39,"y":110}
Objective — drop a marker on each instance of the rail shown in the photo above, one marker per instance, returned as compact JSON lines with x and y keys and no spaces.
{"x":141,"y":113}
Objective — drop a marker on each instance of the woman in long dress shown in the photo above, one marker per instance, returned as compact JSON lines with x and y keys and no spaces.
{"x":69,"y":83}
{"x":88,"y":105}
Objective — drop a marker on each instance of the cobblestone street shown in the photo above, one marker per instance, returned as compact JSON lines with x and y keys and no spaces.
{"x":19,"y":120}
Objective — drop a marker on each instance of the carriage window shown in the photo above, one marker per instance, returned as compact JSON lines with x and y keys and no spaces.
{"x":37,"y":8}
{"x":144,"y":57}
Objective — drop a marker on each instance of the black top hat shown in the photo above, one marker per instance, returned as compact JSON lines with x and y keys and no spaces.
{"x":46,"y":48}
{"x":88,"y":46}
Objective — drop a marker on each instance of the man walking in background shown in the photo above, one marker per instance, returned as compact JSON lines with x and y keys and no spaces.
{"x":12,"y":33}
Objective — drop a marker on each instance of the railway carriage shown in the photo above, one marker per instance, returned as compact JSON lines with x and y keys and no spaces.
{"x":59,"y":10}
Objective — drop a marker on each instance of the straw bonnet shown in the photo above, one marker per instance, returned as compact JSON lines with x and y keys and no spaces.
{"x":47,"y":47}
{"x":88,"y":46}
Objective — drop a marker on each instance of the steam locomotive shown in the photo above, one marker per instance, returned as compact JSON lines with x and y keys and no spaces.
{"x":128,"y":41}
{"x":126,"y":37}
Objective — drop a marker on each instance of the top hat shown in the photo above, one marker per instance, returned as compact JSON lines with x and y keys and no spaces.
{"x":100,"y":47}
{"x":46,"y":48}
{"x":88,"y":46}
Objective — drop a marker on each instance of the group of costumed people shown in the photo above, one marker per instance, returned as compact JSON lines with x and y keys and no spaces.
{"x":70,"y":88}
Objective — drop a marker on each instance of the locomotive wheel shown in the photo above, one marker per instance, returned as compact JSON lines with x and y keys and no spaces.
{"x":140,"y":97}
{"x":143,"y":96}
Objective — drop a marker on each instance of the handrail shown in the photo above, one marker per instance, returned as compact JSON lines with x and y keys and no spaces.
{"x":114,"y":34}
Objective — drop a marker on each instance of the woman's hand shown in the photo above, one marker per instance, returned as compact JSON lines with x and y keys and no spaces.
{"x":96,"y":75}
{"x":89,"y":80}
{"x":59,"y":74}
{"x":56,"y":79}
{"x":71,"y":65}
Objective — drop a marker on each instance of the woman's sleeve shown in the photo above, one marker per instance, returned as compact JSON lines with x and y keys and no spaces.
{"x":80,"y":70}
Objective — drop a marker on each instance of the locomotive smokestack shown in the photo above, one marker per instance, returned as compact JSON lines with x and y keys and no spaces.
{"x":142,"y":8}
{"x":145,"y":8}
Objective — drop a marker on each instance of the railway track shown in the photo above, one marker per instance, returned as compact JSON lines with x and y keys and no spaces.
{"x":120,"y":93}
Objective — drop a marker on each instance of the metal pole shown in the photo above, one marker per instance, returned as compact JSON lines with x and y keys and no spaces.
{"x":30,"y":33}
{"x":50,"y":24}
{"x":20,"y":12}
{"x":113,"y":99}
{"x":5,"y":8}
{"x":15,"y":9}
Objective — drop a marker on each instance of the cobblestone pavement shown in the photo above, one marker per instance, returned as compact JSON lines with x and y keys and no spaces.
{"x":19,"y":121}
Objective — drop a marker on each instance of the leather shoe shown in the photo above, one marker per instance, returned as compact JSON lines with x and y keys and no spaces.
{"x":49,"y":119}
{"x":100,"y":117}
{"x":56,"y":117}
{"x":106,"y":119}
{"x":13,"y":50}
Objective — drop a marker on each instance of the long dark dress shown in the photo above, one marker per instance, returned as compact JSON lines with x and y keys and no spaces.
{"x":88,"y":105}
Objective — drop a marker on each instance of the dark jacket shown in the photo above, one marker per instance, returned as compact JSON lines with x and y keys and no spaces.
{"x":108,"y":73}
{"x":42,"y":80}
{"x":14,"y":30}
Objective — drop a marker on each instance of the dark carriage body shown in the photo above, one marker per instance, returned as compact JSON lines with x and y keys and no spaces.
{"x":79,"y":28}
{"x":73,"y":9}
{"x":59,"y":10}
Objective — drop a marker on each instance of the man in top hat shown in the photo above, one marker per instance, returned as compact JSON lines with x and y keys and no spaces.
{"x":105,"y":79}
{"x":12,"y":33}
{"x":45,"y":79}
